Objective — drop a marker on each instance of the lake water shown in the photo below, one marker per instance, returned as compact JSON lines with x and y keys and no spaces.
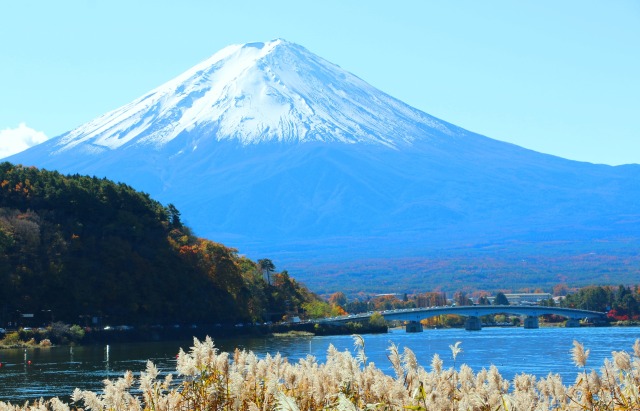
{"x":57,"y":371}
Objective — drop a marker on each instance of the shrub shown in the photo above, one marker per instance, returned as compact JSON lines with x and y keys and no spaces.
{"x":62,"y":333}
{"x":11,"y":338}
{"x":26,"y":335}
{"x":377,"y":320}
{"x":76,"y":333}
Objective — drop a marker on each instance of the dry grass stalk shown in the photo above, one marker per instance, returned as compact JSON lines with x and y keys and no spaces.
{"x":209,"y":380}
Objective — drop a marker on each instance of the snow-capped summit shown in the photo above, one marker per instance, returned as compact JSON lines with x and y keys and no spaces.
{"x":256,"y":92}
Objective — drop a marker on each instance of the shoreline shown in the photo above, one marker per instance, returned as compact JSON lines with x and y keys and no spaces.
{"x":277,"y":331}
{"x":93,"y":337}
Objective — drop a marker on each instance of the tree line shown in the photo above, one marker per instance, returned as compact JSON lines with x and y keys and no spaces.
{"x":621,"y":303}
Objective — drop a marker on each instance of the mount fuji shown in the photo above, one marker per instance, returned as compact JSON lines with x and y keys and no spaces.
{"x":271,"y":149}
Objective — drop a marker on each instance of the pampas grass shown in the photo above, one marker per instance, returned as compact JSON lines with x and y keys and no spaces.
{"x":206,"y":379}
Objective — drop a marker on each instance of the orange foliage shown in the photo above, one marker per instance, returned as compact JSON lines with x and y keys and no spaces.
{"x":188,"y":250}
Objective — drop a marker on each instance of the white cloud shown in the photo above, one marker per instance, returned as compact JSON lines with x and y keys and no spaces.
{"x":15,"y":140}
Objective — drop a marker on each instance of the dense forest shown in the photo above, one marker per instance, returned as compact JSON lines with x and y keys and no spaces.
{"x":620,"y":303}
{"x":77,"y":248}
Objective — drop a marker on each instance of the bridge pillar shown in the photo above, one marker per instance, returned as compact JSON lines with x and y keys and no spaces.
{"x":413,"y":327}
{"x":473,"y":324}
{"x":572,"y":322}
{"x":531,"y":322}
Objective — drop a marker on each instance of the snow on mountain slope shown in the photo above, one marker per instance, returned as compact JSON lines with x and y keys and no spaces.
{"x":274,"y":91}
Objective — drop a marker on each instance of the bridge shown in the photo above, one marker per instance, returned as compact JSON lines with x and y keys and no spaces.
{"x":473,"y":313}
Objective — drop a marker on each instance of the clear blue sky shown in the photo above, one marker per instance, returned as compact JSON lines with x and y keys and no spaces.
{"x":560,"y":77}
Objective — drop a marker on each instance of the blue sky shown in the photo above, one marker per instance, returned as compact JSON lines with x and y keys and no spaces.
{"x":560,"y":77}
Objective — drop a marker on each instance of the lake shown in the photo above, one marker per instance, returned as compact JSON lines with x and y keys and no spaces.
{"x":57,"y":371}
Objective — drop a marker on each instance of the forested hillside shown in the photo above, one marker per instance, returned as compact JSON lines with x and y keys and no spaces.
{"x":80,"y":247}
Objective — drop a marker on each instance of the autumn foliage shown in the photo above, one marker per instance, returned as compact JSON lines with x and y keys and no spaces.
{"x":82,"y":247}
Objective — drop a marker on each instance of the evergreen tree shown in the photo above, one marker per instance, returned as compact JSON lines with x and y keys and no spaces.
{"x":267,"y":268}
{"x":500,"y":299}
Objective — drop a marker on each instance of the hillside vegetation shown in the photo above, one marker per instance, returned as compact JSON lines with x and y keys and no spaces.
{"x":514,"y":267}
{"x":80,"y":247}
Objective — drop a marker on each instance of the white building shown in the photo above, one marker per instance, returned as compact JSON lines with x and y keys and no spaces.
{"x":527,"y":298}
